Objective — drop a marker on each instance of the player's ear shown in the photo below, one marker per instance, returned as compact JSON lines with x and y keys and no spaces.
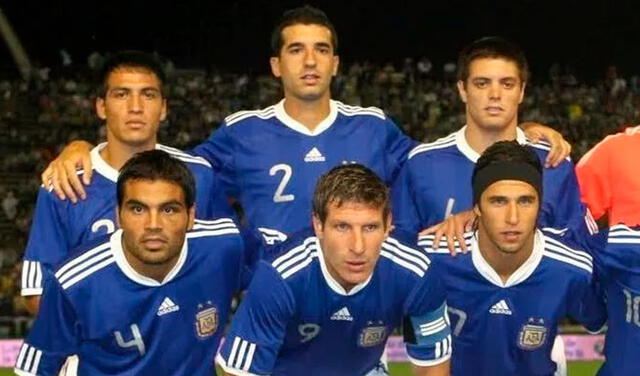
{"x":317,"y":226}
{"x":336,"y":64}
{"x":100,"y":108}
{"x":524,"y":85}
{"x":388,"y":224}
{"x":275,"y":66}
{"x":192,"y":217}
{"x":163,"y":111}
{"x":476,"y":210}
{"x":462,"y":90}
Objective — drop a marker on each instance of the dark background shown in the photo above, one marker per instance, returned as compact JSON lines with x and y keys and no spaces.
{"x":585,"y":36}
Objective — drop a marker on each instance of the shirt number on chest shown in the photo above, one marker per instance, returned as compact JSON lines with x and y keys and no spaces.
{"x":287,"y":171}
{"x":136,"y":341}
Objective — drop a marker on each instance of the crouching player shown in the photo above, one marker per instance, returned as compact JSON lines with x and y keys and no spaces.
{"x":325,"y":301}
{"x":506,"y":297}
{"x":149,"y":299}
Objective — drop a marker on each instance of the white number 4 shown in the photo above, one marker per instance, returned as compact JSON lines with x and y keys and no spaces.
{"x":135,"y":342}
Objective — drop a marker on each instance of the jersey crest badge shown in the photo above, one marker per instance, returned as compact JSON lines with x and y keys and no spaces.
{"x":206,"y":320}
{"x":532,"y":335}
{"x":372,"y":335}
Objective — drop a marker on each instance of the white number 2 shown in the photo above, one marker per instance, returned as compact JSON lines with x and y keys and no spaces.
{"x":279,"y":196}
{"x":135,"y":342}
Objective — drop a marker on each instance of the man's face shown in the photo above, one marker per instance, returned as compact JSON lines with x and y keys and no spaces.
{"x":133,"y":107}
{"x":492,"y":94}
{"x":154,"y":221}
{"x":306,"y":62}
{"x":351,"y":237}
{"x":507,"y":214}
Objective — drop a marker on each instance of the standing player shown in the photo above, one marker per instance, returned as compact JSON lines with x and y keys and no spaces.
{"x":270,"y":159}
{"x":131,"y":102}
{"x":150,"y":299}
{"x":506,"y":297}
{"x":433,"y":184}
{"x":337,"y":291}
{"x":609,"y":180}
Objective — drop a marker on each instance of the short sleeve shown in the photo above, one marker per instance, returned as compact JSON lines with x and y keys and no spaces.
{"x":258,"y":328}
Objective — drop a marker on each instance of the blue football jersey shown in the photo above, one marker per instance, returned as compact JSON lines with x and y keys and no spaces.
{"x":508,"y":328}
{"x":305,"y":323}
{"x":60,"y":226}
{"x":436,"y":181}
{"x":617,"y":259}
{"x":120,"y":322}
{"x":270,"y":162}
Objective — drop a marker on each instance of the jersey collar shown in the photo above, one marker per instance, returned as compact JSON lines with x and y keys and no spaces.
{"x":123,"y":264}
{"x":287,"y":120}
{"x":333,"y":284}
{"x":520,"y":275}
{"x":472,"y":155}
{"x":101,"y":166}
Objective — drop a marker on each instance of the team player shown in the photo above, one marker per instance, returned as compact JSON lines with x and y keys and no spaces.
{"x":506,"y":297}
{"x":150,"y":299}
{"x":609,"y":180}
{"x":131,"y":102}
{"x":336,"y":292}
{"x":433,"y":184}
{"x":616,"y":254}
{"x":270,"y":159}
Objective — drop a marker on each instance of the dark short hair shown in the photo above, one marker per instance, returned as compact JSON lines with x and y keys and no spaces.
{"x":154,"y":165}
{"x":350,"y":183}
{"x":305,"y":15}
{"x":135,"y":60}
{"x":492,"y":48}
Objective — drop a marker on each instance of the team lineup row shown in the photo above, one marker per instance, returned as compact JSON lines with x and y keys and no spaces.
{"x":326,"y":309}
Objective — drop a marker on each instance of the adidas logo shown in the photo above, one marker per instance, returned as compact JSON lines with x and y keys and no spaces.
{"x":342,"y":315}
{"x":167,"y":306}
{"x":501,"y":308}
{"x":314,"y":155}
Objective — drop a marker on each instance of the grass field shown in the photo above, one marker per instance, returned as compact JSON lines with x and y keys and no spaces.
{"x":404,"y":369}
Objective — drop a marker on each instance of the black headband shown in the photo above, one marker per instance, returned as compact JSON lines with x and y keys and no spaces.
{"x":505,"y":170}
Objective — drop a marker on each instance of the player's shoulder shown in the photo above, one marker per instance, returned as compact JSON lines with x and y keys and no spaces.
{"x":248,"y":116}
{"x":542,"y":149}
{"x":403,"y":253}
{"x":436,"y":147}
{"x":85,"y":262}
{"x":295,"y":255}
{"x":212,"y":231}
{"x":354,"y":111}
{"x":190,"y":160}
{"x":567,"y":257}
{"x":624,"y":236}
{"x":441,"y":250}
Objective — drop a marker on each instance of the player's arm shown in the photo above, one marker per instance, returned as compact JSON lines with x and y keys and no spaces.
{"x":426,"y":330}
{"x":560,"y":148}
{"x":258,"y":327}
{"x":53,"y":336}
{"x":397,"y":150}
{"x":442,"y":369}
{"x":47,"y":242}
{"x":405,"y":208}
{"x":61,"y":173}
{"x":561,"y":206}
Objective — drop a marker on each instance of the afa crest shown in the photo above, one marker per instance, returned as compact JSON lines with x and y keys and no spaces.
{"x":532,"y":335}
{"x":372,"y":335}
{"x":206,"y":320}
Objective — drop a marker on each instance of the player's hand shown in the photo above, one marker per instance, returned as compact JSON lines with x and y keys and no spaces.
{"x":452,"y":228}
{"x":61,"y":174}
{"x":560,"y":148}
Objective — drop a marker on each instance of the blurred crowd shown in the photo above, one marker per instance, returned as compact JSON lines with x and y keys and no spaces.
{"x":39,"y":116}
